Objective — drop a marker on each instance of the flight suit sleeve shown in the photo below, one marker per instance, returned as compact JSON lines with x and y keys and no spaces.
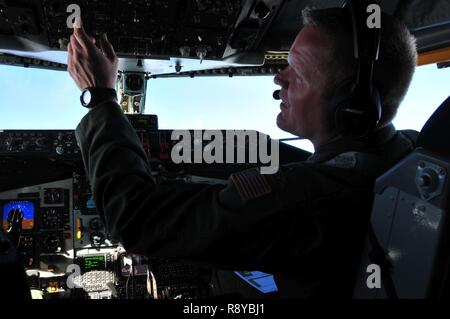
{"x":256,"y":222}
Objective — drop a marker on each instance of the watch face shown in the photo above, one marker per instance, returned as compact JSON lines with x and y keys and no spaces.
{"x":86,"y":97}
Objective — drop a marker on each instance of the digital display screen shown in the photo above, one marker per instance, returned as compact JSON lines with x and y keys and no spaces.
{"x":87,"y":204}
{"x":28,"y":209}
{"x":265,"y":283}
{"x":90,"y":203}
{"x":93,"y":263}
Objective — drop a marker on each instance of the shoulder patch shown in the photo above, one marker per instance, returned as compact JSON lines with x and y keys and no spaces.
{"x":250,"y":184}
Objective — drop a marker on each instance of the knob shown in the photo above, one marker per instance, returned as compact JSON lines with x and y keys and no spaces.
{"x":185,"y":51}
{"x":178,"y":67}
{"x":424,"y":181}
{"x":96,"y":224}
{"x":41,"y":141}
{"x":428,"y":180}
{"x":8,"y":142}
{"x":97,"y":239}
{"x":201,"y":53}
{"x":60,"y":150}
{"x":24,"y":146}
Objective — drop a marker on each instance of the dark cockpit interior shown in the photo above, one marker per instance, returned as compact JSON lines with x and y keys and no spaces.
{"x":52,"y":230}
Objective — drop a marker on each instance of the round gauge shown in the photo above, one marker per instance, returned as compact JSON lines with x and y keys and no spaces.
{"x":52,"y":242}
{"x":53,"y":196}
{"x":51,"y":218}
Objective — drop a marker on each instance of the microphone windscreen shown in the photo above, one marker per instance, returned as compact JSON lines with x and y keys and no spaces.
{"x":276,"y":95}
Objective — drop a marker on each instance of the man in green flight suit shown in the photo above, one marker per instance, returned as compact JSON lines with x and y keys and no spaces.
{"x":307,"y":223}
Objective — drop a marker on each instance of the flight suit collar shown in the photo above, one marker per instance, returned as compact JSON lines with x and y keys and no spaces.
{"x":339,"y":146}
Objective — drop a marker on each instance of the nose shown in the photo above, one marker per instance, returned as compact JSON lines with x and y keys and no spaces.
{"x":281,"y":80}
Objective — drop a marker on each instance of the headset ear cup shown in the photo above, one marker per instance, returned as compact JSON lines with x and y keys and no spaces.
{"x":340,"y":95}
{"x":356,"y":116}
{"x":351,"y":118}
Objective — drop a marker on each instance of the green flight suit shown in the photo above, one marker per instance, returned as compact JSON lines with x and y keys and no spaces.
{"x":305,"y":224}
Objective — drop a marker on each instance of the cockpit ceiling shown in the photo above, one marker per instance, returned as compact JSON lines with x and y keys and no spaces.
{"x":429,"y":20}
{"x":158,"y":36}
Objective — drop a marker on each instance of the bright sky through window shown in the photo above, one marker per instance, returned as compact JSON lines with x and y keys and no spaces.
{"x":41,"y":99}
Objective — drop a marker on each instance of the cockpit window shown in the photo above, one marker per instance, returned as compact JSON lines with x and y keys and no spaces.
{"x":429,"y":88}
{"x":216,"y":103}
{"x":43,"y":99}
{"x":246,"y":103}
{"x":38,"y":99}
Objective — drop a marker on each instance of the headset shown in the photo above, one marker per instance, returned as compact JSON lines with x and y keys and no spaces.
{"x":356,"y":101}
{"x":356,"y":105}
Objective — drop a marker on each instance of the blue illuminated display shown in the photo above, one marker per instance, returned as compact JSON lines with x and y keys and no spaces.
{"x":90,"y":204}
{"x":26,"y":207}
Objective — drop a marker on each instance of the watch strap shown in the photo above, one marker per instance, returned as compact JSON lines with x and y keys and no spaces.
{"x":98,"y":96}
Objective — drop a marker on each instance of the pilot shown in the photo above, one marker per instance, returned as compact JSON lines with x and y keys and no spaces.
{"x":307,"y":223}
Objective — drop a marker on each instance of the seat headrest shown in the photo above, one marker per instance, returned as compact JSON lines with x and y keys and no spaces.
{"x":435,"y":135}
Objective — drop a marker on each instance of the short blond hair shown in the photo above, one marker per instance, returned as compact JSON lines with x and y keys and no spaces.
{"x":397,"y":61}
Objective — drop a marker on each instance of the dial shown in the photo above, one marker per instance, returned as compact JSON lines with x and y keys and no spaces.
{"x":41,"y":141}
{"x":52,"y":243}
{"x":60,"y":150}
{"x":96,"y":224}
{"x":51,"y":218}
{"x":53,"y":196}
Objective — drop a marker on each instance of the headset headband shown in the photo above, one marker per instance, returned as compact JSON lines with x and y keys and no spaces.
{"x":366,"y":44}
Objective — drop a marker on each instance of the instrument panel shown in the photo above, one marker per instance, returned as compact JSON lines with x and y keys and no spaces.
{"x":67,"y":252}
{"x":63,"y":242}
{"x":199,"y":29}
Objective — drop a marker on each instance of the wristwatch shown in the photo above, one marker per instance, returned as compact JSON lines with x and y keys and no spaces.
{"x":92,"y":97}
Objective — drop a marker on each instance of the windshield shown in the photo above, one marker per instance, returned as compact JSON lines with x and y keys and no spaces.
{"x":42,"y":99}
{"x":429,"y":88}
{"x":38,"y":99}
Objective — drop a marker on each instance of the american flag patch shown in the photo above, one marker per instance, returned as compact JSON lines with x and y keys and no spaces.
{"x":250,"y":184}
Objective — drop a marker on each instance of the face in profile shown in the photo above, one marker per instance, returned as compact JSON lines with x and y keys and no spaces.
{"x":303,"y":107}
